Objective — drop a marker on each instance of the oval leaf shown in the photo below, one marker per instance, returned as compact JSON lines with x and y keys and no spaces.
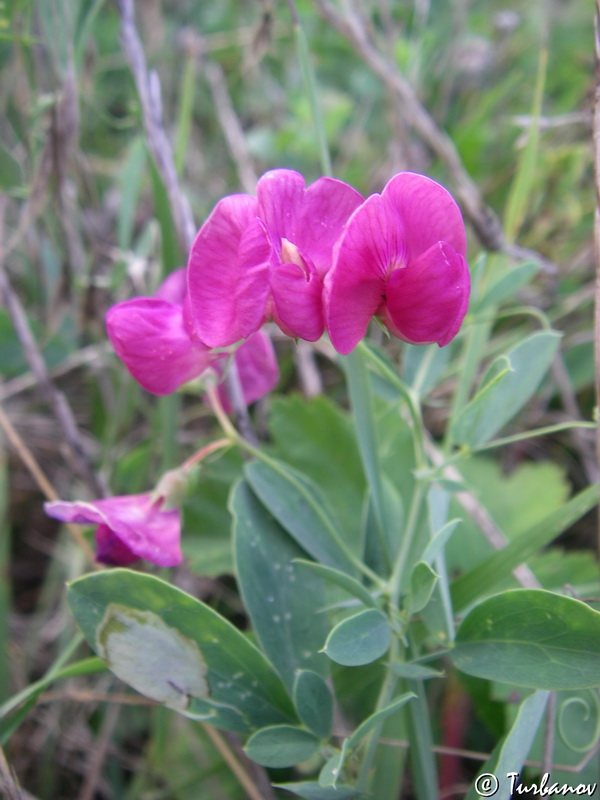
{"x":314,"y":703}
{"x":532,"y":638}
{"x":360,"y":639}
{"x":177,"y":650}
{"x":281,"y":746}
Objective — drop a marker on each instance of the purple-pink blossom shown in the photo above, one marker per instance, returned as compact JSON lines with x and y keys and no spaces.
{"x":401,"y":257}
{"x":151,"y":335}
{"x":128,"y":527}
{"x":266,"y":257}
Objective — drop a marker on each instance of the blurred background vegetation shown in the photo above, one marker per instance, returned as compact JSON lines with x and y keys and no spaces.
{"x":86,"y":220}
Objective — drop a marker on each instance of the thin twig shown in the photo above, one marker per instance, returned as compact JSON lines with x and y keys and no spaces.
{"x":42,"y":481}
{"x":230,"y":125}
{"x":98,"y":753}
{"x":83,"y":357}
{"x":480,"y":515}
{"x":233,"y":763}
{"x":485,"y":222}
{"x":148,"y":87}
{"x":55,"y":398}
{"x":9,"y":782}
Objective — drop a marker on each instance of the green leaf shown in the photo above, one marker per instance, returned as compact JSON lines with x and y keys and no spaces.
{"x":11,"y":174}
{"x":532,"y":638}
{"x":510,"y":756}
{"x":487,"y":575}
{"x":314,"y":703}
{"x":341,"y":579}
{"x":284,"y":609}
{"x":422,"y":583}
{"x":300,"y":508}
{"x":505,"y":388}
{"x":437,"y":543}
{"x":415,"y":671}
{"x":281,"y":746}
{"x":310,"y":790}
{"x":508,"y":284}
{"x":131,"y":176}
{"x":171,"y":254}
{"x":359,"y":639}
{"x":330,"y":772}
{"x":302,"y":428}
{"x":177,"y":650}
{"x":375,"y":719}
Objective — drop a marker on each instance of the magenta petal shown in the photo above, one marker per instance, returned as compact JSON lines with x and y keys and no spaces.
{"x":228,"y":273}
{"x":312,"y":219}
{"x":149,"y":336}
{"x":297,"y":301}
{"x":428,"y":212}
{"x":111,"y":550}
{"x":280,"y":195}
{"x":328,"y":204}
{"x":136,"y":521}
{"x":257,"y":367}
{"x":371,"y":245}
{"x":174,"y":287}
{"x":427,"y":300}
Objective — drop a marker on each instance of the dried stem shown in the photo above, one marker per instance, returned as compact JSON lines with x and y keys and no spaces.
{"x":230,"y":125}
{"x":55,"y":398}
{"x":42,"y":481}
{"x":148,"y":87}
{"x":483,"y":219}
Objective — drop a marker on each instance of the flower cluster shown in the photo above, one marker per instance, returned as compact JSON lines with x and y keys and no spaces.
{"x":323,"y":257}
{"x":310,"y":259}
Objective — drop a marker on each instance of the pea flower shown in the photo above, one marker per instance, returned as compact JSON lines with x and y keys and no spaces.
{"x":128,"y":527}
{"x":263,"y":257}
{"x":401,"y":256}
{"x":151,"y":335}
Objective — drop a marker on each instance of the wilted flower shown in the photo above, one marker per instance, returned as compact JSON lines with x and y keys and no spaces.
{"x":256,"y":258}
{"x":128,"y":527}
{"x":401,"y":257}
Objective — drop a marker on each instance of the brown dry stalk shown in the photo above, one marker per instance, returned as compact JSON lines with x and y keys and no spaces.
{"x":483,"y":219}
{"x":42,"y":481}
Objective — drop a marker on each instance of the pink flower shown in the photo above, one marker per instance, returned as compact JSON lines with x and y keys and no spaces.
{"x":256,"y":258}
{"x":151,"y":335}
{"x":129,"y":527}
{"x":401,"y":256}
{"x":257,"y":367}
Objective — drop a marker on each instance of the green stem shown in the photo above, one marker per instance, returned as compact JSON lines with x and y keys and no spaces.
{"x":410,"y":396}
{"x":386,"y":695}
{"x":310,"y":83}
{"x":397,"y":578}
{"x":236,"y":438}
{"x":518,"y":437}
{"x":361,"y":402}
